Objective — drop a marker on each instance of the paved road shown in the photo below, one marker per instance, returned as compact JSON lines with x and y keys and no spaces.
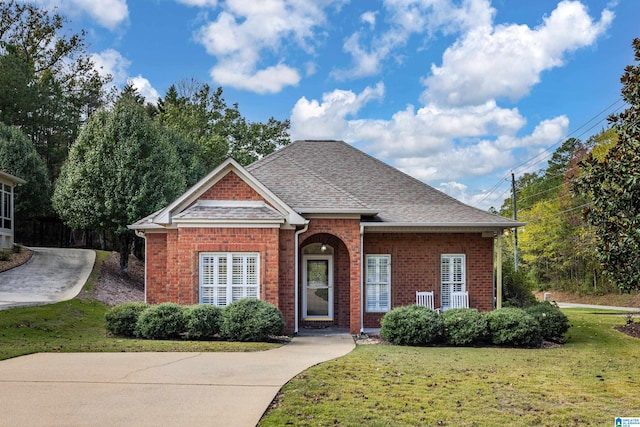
{"x":155,"y":389}
{"x":51,"y":275}
{"x":596,"y":307}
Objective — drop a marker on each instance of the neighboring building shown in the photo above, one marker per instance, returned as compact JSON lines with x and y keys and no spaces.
{"x":7,"y":221}
{"x":327,"y":233}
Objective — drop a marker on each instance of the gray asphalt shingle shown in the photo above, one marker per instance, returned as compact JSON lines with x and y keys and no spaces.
{"x":319,"y":175}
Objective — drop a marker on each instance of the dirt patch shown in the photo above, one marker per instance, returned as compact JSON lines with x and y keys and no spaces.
{"x":632,"y":329}
{"x":16,"y":259}
{"x":113,"y":288}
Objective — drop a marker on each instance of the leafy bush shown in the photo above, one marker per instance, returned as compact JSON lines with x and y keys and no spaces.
{"x":5,"y":255}
{"x":553,"y":322}
{"x":161,"y":322}
{"x":513,"y":327}
{"x":251,"y":320}
{"x":464,"y":326}
{"x":411,"y":325}
{"x":516,"y":287}
{"x":121,"y":320}
{"x":17,"y":248}
{"x":202,"y":321}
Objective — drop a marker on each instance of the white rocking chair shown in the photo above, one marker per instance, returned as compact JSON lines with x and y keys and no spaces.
{"x":425,"y":299}
{"x":459,"y":300}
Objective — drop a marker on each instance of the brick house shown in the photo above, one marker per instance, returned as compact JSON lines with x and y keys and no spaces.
{"x":325,"y":232}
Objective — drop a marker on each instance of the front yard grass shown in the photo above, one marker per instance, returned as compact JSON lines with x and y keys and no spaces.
{"x":589,"y":381}
{"x":78,"y":326}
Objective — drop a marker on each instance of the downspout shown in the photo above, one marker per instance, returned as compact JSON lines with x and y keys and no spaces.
{"x":361,"y":280}
{"x":143,"y":235}
{"x":297,"y":273}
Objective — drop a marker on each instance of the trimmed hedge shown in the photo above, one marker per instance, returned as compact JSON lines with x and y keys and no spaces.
{"x":464,"y":327}
{"x":202,"y":322}
{"x":161,"y":322}
{"x":121,"y":320}
{"x":412,"y":325}
{"x":553,"y":322}
{"x":251,"y":320}
{"x":513,"y":327}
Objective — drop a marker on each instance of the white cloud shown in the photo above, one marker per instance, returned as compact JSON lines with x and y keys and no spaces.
{"x":329,"y":119}
{"x":506,"y":60}
{"x":108,"y":13}
{"x":145,"y":89}
{"x":405,"y":19}
{"x":200,"y":3}
{"x":112,"y":62}
{"x":369,"y":18}
{"x":245,"y":33}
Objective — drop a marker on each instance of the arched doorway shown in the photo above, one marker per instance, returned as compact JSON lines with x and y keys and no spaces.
{"x":324,"y":282}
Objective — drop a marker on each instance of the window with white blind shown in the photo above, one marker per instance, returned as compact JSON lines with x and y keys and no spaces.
{"x":228,"y":277}
{"x":378,"y":283}
{"x":453,"y":277}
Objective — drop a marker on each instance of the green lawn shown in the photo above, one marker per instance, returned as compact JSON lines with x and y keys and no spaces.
{"x":78,"y":326}
{"x":587,"y":382}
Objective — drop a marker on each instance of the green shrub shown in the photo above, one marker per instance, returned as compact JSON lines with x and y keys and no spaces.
{"x":17,"y":248}
{"x":161,"y":322}
{"x":121,"y":320}
{"x":411,"y":325}
{"x":250,"y":319}
{"x":5,"y":255}
{"x":513,"y":327}
{"x":202,"y":321}
{"x":553,"y":322}
{"x":464,"y":326}
{"x":516,"y":287}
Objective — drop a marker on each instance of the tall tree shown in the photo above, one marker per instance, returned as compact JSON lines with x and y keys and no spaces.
{"x":19,"y":158}
{"x":62,"y":85}
{"x":122,"y":168}
{"x":196,"y":113}
{"x":613,"y":187}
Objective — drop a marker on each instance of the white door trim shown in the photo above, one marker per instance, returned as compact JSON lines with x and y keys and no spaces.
{"x":330,"y":288}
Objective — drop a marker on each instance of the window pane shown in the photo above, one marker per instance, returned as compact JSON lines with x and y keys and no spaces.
{"x":378,"y":289}
{"x":221,"y":284}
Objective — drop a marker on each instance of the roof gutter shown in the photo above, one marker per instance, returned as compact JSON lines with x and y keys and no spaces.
{"x":509,"y":224}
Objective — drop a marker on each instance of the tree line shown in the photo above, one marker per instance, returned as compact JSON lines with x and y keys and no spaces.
{"x":98,"y":158}
{"x":583,"y":210}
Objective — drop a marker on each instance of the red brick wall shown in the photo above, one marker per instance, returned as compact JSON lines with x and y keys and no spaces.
{"x":156,"y":266}
{"x":415,"y":266}
{"x":286,"y":280}
{"x":231,"y":187}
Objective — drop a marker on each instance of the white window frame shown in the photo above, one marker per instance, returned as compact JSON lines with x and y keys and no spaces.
{"x":6,"y":206}
{"x":375,"y":299}
{"x":218,"y":285}
{"x":448,"y":280}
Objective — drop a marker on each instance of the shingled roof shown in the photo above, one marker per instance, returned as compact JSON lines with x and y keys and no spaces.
{"x":334,"y":177}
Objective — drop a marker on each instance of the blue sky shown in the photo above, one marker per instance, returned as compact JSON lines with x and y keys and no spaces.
{"x":457,"y":93}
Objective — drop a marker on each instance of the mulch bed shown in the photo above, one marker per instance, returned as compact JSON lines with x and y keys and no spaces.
{"x":631,"y":329}
{"x":16,"y":260}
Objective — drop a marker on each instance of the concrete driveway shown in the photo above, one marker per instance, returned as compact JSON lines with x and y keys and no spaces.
{"x":51,"y":275}
{"x":155,"y":389}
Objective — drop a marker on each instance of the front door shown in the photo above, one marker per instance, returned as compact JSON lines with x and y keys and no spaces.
{"x":317,"y":279}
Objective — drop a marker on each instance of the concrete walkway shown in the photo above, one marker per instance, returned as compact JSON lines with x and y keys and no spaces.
{"x":51,"y":275}
{"x":155,"y":389}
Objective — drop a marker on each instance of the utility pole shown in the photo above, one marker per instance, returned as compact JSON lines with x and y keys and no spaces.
{"x":515,"y":218}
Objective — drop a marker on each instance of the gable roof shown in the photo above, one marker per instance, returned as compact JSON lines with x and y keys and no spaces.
{"x":333,"y":177}
{"x":187,"y":209}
